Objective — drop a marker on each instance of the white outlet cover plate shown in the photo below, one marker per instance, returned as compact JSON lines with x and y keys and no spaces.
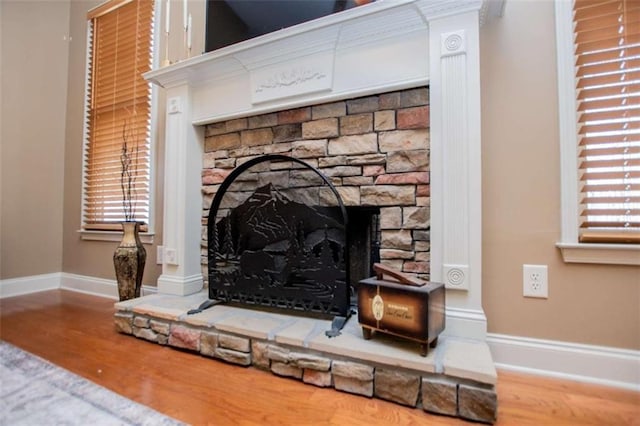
{"x":541,"y":290}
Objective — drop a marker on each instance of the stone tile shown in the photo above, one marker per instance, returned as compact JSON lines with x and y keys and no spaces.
{"x":278,"y":353}
{"x":384,"y":120}
{"x":321,"y":379}
{"x":318,"y":129}
{"x":408,"y":161}
{"x":171,"y":307}
{"x":414,"y":97}
{"x":256,"y":137}
{"x":208,"y":343}
{"x":381,"y":349}
{"x":356,"y":124}
{"x":439,"y":395}
{"x":123,"y":322}
{"x":259,"y":354}
{"x":360,"y":105}
{"x":404,"y":140}
{"x":388,"y":195}
{"x":397,"y":386}
{"x":215,"y":129}
{"x":139,"y":321}
{"x":398,"y":240}
{"x":227,"y":141}
{"x":146,"y":334}
{"x":336,"y":109}
{"x":413,"y":118}
{"x":233,"y":357}
{"x":353,"y":370}
{"x":390,"y":218}
{"x":308,"y":361}
{"x":264,"y":120}
{"x":249,"y":324}
{"x":339,"y":160}
{"x":412,"y":178}
{"x":211,"y":316}
{"x":357,"y":180}
{"x":286,"y":370}
{"x":185,"y":337}
{"x":350,"y":145}
{"x":294,"y":115}
{"x":298,"y":333}
{"x":390,"y":100}
{"x":350,"y":196}
{"x":468,"y":359}
{"x":236,"y":124}
{"x":287,"y":132}
{"x":476,"y":403}
{"x":355,"y":386}
{"x":236,"y":343}
{"x":310,"y":148}
{"x":415,"y":217}
{"x":214,"y":176}
{"x":374,"y":170}
{"x":366,"y":159}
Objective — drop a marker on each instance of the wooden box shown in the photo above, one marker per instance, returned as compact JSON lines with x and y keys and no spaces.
{"x":404,"y":307}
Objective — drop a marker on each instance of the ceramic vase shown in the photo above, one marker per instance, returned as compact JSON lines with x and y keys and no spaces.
{"x":128,"y":260}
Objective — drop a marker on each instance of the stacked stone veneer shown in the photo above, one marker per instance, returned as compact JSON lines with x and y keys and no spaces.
{"x":434,"y":393}
{"x":374,"y":149}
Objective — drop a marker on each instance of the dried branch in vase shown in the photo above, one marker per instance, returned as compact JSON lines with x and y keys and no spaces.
{"x":128,"y":162}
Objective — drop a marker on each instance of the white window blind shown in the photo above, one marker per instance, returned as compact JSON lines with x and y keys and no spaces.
{"x":607,"y":49}
{"x":118,"y":109}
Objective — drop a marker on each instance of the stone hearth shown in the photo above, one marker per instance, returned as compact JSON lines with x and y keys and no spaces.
{"x":457,"y":378}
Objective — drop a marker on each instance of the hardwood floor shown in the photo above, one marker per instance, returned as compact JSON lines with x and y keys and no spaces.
{"x":75,"y":331}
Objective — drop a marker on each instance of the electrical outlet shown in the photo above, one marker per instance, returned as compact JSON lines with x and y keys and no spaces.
{"x":159,"y":255}
{"x":535,"y":281}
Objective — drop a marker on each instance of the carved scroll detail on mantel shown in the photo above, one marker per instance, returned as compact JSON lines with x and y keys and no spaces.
{"x":293,"y":77}
{"x":313,"y":74}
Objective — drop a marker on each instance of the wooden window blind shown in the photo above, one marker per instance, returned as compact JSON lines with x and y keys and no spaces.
{"x":118,"y":107}
{"x":607,"y":48}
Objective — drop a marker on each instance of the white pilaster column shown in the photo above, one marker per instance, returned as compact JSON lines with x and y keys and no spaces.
{"x":181,"y":271}
{"x":456,"y":203}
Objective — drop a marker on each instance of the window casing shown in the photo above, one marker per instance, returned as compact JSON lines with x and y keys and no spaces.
{"x":118,"y":104}
{"x":584,"y":237}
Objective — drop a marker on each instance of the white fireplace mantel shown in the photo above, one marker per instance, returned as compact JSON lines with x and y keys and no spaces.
{"x":384,"y":46}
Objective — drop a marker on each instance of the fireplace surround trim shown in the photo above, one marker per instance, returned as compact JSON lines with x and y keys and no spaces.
{"x":223,"y":84}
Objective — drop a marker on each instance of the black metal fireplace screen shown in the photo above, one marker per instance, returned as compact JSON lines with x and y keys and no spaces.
{"x":269,"y":246}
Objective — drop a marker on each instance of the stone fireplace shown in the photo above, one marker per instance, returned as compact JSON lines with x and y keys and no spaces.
{"x":355,"y":56}
{"x":374,"y":150}
{"x":384,"y":99}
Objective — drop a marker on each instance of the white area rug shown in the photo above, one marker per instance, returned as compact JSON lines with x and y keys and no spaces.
{"x":35,"y":392}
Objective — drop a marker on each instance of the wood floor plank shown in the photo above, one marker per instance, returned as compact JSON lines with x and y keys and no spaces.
{"x":76,"y":332}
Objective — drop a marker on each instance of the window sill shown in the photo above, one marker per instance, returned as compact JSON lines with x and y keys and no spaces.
{"x":610,"y":254}
{"x":145,"y":237}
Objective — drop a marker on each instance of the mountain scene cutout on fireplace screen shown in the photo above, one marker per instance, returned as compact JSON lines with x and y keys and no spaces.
{"x":271,"y":242}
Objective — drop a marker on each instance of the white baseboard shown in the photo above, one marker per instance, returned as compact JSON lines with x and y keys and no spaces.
{"x":97,"y":286}
{"x":27,"y":285}
{"x":90,"y":285}
{"x":61,"y":280}
{"x":571,"y":361}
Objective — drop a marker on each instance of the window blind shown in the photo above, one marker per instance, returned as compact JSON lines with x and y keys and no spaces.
{"x":607,"y":48}
{"x":118,"y":109}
